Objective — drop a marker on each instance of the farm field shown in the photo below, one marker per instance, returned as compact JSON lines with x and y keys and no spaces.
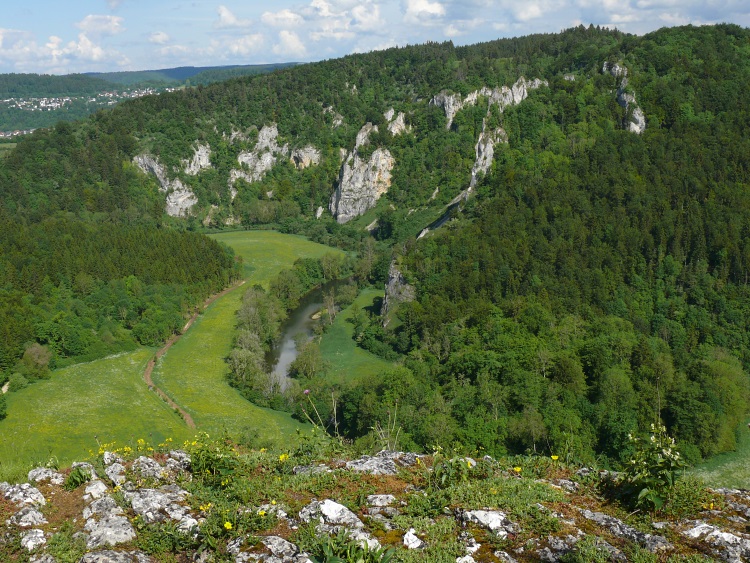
{"x":105,"y":400}
{"x":193,"y":371}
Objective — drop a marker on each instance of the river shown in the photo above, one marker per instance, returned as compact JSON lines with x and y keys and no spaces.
{"x":298,"y":326}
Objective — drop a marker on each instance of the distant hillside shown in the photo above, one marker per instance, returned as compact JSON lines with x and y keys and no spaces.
{"x":47,"y":85}
{"x":183,"y":74}
{"x":31,"y":101}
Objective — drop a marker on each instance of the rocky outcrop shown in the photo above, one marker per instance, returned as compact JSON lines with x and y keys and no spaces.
{"x":361,"y":180}
{"x":396,"y":125}
{"x":304,"y":157}
{"x":485,"y":150}
{"x":180,"y":198}
{"x":201,"y":159}
{"x":337,"y":118}
{"x":262,"y":158}
{"x":635,"y":119}
{"x":502,"y":97}
{"x":112,"y":520}
{"x":397,"y":290}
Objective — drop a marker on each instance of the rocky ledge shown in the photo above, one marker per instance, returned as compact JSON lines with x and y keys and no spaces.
{"x":211,"y":502}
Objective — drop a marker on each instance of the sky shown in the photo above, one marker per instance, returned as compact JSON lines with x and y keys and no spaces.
{"x":53,"y":37}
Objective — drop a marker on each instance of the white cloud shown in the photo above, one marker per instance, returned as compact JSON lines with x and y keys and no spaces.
{"x":323,"y":8}
{"x":289,"y":45}
{"x":228,"y":19}
{"x":247,"y":44}
{"x":85,"y":49}
{"x":367,"y":17}
{"x":101,"y":25}
{"x":285,"y":18}
{"x":114,"y":4}
{"x":159,"y":37}
{"x":423,"y":11}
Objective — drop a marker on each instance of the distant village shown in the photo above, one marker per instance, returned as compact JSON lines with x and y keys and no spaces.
{"x":102,"y":99}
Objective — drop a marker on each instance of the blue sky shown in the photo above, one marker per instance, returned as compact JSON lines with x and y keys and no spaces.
{"x":45,"y":36}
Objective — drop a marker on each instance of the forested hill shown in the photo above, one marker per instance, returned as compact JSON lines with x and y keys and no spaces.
{"x":593,"y":276}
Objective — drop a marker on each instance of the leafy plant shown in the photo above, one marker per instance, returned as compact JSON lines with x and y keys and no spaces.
{"x":77,"y":477}
{"x":342,"y":549}
{"x":652,"y":473}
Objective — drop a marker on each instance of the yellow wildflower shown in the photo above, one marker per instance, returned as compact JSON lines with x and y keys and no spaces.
{"x":555,"y":457}
{"x":517,"y":469}
{"x":227,"y":525}
{"x":273,"y":502}
{"x":283,"y":457}
{"x":261,"y":513}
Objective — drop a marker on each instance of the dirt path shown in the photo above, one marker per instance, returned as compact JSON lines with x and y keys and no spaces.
{"x":163,"y":350}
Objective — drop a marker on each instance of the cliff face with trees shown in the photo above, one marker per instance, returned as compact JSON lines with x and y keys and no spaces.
{"x":590,"y":274}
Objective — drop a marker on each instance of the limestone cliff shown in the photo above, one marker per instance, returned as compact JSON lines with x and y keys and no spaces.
{"x":306,"y":156}
{"x":635,"y":119}
{"x":396,"y":125}
{"x":503,"y":97}
{"x":261,"y":159}
{"x":361,"y":181}
{"x":180,"y":198}
{"x":201,"y":159}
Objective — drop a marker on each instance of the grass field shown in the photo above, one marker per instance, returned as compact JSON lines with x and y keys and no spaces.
{"x":731,"y":470}
{"x":193,"y":371}
{"x":64,"y":416}
{"x":347,"y":361}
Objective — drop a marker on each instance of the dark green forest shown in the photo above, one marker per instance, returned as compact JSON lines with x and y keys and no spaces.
{"x":593,"y":284}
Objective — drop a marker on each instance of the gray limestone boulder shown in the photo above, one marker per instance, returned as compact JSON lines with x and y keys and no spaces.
{"x":116,"y":473}
{"x":116,"y":557}
{"x":42,"y":474}
{"x":492,"y":520}
{"x":330,"y":513}
{"x":147,"y":468}
{"x":109,"y":530}
{"x":654,"y":544}
{"x":28,"y":517}
{"x":33,"y":539}
{"x":24,"y":494}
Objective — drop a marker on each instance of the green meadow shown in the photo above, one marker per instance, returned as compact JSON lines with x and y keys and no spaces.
{"x":83,"y":405}
{"x":731,"y":469}
{"x":193,"y":371}
{"x":345,"y":359}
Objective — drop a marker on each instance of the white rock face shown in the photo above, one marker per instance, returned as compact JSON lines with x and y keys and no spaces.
{"x":396,"y":125}
{"x":201,"y":159}
{"x":636,"y":120}
{"x":262,"y":158}
{"x":503,"y":97}
{"x":338,"y":119}
{"x":180,"y":198}
{"x":361,"y":182}
{"x":485,"y":150}
{"x":307,"y":156}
